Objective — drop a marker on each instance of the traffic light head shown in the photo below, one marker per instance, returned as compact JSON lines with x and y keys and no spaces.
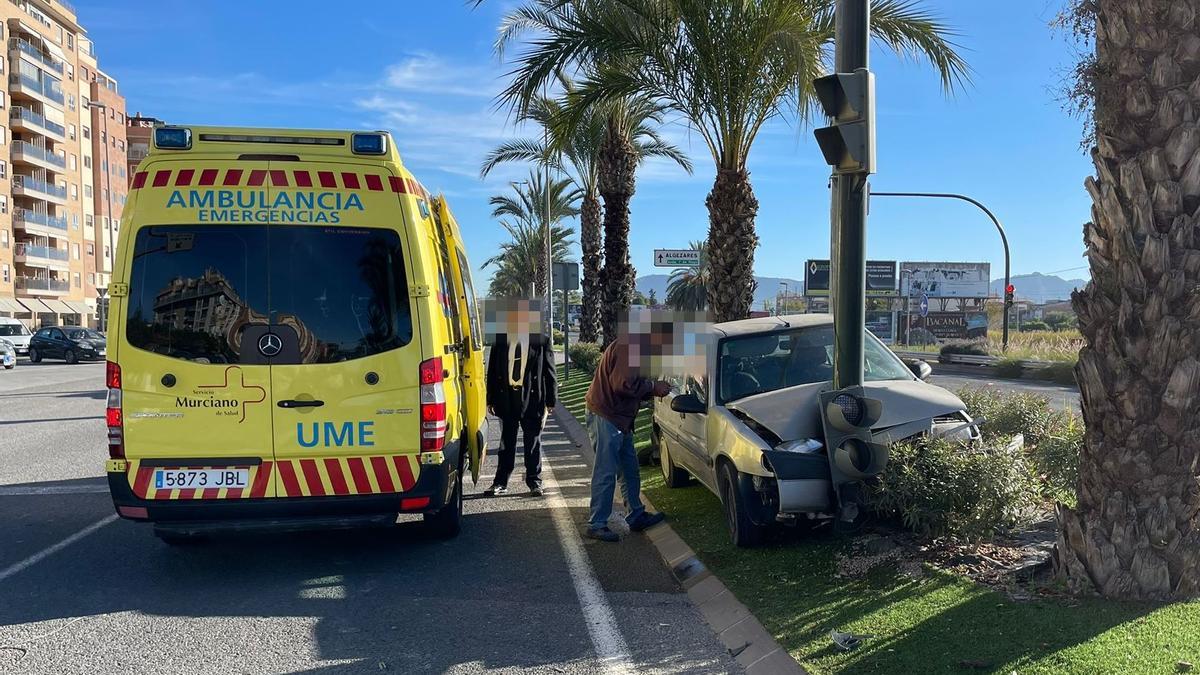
{"x":848,"y":99}
{"x":1009,"y":295}
{"x":847,"y":416}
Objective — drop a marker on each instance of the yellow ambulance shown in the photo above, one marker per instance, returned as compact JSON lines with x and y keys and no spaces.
{"x":294,"y":339}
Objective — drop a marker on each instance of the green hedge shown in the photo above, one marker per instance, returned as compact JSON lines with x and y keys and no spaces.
{"x":584,"y":355}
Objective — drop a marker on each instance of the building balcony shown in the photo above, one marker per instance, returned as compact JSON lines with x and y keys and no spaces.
{"x":41,"y":256}
{"x":43,"y":285}
{"x":30,"y":50}
{"x":39,"y":223}
{"x":24,"y":119}
{"x":46,"y":92}
{"x":28,"y":186}
{"x":29,"y":153}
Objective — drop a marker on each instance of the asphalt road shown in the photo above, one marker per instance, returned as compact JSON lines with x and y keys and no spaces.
{"x":83,"y":592}
{"x":1061,"y":397}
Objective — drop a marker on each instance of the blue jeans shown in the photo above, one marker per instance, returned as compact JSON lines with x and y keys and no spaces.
{"x":614,"y":452}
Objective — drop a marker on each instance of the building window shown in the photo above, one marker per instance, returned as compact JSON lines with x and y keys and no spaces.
{"x":91,"y":250}
{"x":106,"y":253}
{"x":87,"y":191}
{"x":87,"y":132}
{"x":74,"y":191}
{"x":4,"y":238}
{"x":88,"y":220}
{"x":71,"y":131}
{"x":3,"y":203}
{"x":70,"y":72}
{"x":2,"y":100}
{"x":87,"y":162}
{"x":75,"y":250}
{"x":3,"y":169}
{"x":105,"y":194}
{"x":116,"y":224}
{"x":104,"y":165}
{"x":103,"y":137}
{"x":121,"y":145}
{"x":121,"y":118}
{"x":85,"y":102}
{"x":71,"y":101}
{"x":91,"y":278}
{"x":7,"y":276}
{"x":74,"y":162}
{"x":70,"y":41}
{"x":3,"y":135}
{"x":1,"y":64}
{"x":78,"y":281}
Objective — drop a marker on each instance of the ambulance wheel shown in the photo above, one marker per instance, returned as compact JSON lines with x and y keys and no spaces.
{"x":34,"y":356}
{"x":446,"y":522}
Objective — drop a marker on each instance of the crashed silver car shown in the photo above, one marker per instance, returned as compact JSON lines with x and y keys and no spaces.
{"x":749,"y":426}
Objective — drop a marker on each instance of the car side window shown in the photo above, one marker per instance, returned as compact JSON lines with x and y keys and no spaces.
{"x":57,"y":334}
{"x":697,"y":387}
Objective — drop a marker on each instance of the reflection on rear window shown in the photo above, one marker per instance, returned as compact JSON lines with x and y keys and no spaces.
{"x":9,"y":329}
{"x":340,"y":291}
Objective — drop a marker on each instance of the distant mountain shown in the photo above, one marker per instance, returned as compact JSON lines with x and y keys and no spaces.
{"x":1040,"y":288}
{"x":768,"y":287}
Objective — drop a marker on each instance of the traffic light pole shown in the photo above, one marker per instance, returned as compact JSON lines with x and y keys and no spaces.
{"x":995,"y":221}
{"x":848,"y":254}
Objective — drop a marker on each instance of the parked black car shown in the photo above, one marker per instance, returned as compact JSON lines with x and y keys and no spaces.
{"x":69,"y":343}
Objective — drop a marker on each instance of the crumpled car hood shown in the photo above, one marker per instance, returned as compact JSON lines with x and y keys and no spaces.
{"x":792,"y":413}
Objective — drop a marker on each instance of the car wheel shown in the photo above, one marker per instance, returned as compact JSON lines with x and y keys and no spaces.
{"x":742,"y":530}
{"x":673,"y":476}
{"x":71,"y":356}
{"x":10,"y":367}
{"x":446,"y":522}
{"x":34,"y":356}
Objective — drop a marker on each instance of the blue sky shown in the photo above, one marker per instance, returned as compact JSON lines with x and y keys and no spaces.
{"x":426,"y":71}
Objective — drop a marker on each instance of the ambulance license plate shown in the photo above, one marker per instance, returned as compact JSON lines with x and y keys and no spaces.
{"x":169,"y":479}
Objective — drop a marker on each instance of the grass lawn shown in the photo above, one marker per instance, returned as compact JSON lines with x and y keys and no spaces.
{"x":940,"y":623}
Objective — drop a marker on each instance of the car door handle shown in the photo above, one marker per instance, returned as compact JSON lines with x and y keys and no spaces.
{"x":293,"y":403}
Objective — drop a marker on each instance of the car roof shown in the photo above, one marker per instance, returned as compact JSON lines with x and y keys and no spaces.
{"x":767,"y":324}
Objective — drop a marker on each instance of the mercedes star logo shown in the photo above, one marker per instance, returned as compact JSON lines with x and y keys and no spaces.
{"x":270,"y":344}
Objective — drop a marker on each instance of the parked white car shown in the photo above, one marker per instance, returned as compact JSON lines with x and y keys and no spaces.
{"x":749,"y":426}
{"x":17,"y":333}
{"x":8,"y":354}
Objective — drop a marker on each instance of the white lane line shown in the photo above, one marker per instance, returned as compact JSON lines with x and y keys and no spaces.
{"x":17,"y":491}
{"x":597,"y":614}
{"x":45,"y":553}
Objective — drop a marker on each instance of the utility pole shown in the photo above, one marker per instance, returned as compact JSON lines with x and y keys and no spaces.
{"x":111,"y":250}
{"x":847,"y":97}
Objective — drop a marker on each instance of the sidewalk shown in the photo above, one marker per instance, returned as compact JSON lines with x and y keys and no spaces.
{"x":740,"y":632}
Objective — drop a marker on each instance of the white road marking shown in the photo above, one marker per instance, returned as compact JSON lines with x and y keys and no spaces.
{"x":19,"y":491}
{"x":597,"y":614}
{"x":45,"y":553}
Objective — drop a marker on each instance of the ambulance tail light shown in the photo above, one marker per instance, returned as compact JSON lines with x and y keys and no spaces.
{"x":112,"y":412}
{"x":173,"y":138}
{"x":433,"y":405}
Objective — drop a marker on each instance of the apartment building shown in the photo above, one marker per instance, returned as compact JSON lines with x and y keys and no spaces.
{"x":62,"y":168}
{"x":139,"y":134}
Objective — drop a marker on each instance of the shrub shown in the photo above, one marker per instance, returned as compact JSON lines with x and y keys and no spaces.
{"x":1010,"y":367}
{"x":1062,"y":372}
{"x":1053,"y":438}
{"x":584,"y":355}
{"x":973,"y":348}
{"x":558,"y":337}
{"x":939,"y":488}
{"x":1034,"y":325}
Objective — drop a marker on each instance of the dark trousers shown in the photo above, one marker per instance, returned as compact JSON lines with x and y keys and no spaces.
{"x":530,"y":426}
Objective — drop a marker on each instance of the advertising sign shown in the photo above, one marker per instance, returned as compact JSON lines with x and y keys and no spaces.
{"x":954,"y":325}
{"x":883,"y":325}
{"x":945,"y":279}
{"x":881,"y":278}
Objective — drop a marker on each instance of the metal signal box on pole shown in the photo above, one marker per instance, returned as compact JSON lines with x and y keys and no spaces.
{"x":848,"y":99}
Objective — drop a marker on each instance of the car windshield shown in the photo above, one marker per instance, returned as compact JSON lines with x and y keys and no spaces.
{"x":754,"y":364}
{"x":7,"y":329}
{"x":84,"y":334}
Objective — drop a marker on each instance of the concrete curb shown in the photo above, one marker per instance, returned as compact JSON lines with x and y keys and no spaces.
{"x":741,"y":633}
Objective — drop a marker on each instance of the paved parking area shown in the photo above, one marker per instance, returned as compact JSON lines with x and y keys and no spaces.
{"x":86,"y":593}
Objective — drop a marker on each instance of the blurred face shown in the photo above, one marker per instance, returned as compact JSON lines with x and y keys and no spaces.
{"x":517,"y":319}
{"x":666,"y":343}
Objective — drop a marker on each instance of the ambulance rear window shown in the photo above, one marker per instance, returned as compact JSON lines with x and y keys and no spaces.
{"x":207,"y":293}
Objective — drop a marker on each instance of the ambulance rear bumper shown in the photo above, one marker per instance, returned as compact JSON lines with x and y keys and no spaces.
{"x":289,"y":513}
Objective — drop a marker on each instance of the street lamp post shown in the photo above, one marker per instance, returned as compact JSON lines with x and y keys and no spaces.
{"x":108,"y":229}
{"x":995,"y":221}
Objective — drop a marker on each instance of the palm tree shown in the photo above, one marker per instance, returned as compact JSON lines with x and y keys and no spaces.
{"x":1135,"y":531}
{"x":524,"y":215}
{"x":687,"y":288}
{"x":726,"y":67}
{"x":519,"y":260}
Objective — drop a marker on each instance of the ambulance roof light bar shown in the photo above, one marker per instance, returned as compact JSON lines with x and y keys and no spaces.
{"x":374,"y":143}
{"x":173,"y":138}
{"x":259,"y":138}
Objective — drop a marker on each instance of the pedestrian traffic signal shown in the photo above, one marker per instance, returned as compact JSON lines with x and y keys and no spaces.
{"x":848,"y":99}
{"x":847,"y":416}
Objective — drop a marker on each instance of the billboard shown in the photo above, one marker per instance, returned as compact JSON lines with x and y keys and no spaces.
{"x":951,"y":325}
{"x":881,"y":278}
{"x":883,"y":325}
{"x":945,"y":279}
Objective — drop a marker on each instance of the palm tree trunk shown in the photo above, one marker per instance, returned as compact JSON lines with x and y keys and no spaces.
{"x":593,"y":288}
{"x":731,"y":243}
{"x":618,"y":162}
{"x":1134,"y":532}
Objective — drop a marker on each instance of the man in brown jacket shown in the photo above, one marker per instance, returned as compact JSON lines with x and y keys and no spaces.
{"x":617,"y":391}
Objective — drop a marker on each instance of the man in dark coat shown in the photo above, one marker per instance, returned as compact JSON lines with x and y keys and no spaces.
{"x":522,"y":388}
